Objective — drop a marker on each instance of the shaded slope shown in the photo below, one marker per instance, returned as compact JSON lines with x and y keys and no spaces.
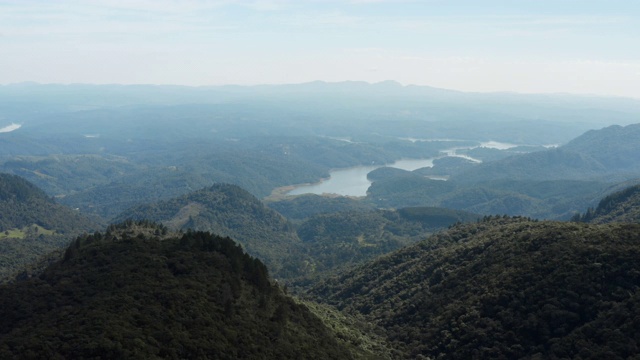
{"x":320,"y":243}
{"x":621,"y":206}
{"x":23,"y":204}
{"x":129,"y":294}
{"x":307,"y":205}
{"x":230,"y":211}
{"x":616,"y":147}
{"x":32,"y":224}
{"x":344,"y":239}
{"x":611,"y":153}
{"x":556,"y":199}
{"x":554,"y":164}
{"x":505,"y":288}
{"x":552,"y":184}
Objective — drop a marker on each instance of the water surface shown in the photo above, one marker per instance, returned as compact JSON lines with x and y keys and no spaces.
{"x":353,"y":181}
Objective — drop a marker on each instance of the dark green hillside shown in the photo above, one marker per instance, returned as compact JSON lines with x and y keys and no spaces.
{"x":552,"y":199}
{"x":555,"y":199}
{"x":436,"y":217}
{"x":347,"y":238}
{"x":314,"y":245}
{"x":138,"y":292}
{"x":622,"y":206}
{"x":23,"y":204}
{"x":304,"y":206}
{"x":341,"y":240}
{"x":230,"y":211}
{"x":406,"y":190}
{"x":505,"y":288}
{"x":386,"y":173}
{"x":32,"y":224}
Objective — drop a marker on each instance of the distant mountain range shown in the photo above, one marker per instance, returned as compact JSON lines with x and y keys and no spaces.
{"x":414,"y":268}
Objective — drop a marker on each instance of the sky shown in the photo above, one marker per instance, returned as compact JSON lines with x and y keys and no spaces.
{"x":526,"y":46}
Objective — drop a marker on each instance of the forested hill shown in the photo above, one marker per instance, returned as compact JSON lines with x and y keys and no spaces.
{"x":551,"y":184}
{"x":136,"y":291}
{"x":336,"y":241}
{"x":23,"y":204}
{"x":33,"y":224}
{"x":227,"y":210}
{"x":505,"y":288}
{"x":611,"y":153}
{"x":616,"y":147}
{"x":622,"y":206}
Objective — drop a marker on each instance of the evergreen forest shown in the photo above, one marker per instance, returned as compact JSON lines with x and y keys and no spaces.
{"x":317,"y":221}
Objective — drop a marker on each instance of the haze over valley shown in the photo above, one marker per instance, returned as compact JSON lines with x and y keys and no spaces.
{"x":319,"y":180}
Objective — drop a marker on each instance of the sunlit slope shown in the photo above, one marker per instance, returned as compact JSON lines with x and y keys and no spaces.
{"x":504,"y":288}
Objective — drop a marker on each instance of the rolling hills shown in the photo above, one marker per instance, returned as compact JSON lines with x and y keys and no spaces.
{"x":323,"y":242}
{"x":551,"y":184}
{"x":140,"y":291}
{"x":504,"y":288}
{"x":32,"y":224}
{"x":230,"y":211}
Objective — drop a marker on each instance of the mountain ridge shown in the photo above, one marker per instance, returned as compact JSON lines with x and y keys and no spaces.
{"x":504,"y":287}
{"x":32,"y":224}
{"x":127,"y":294}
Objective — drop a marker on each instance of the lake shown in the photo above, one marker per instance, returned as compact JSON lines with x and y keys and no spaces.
{"x":353,"y":181}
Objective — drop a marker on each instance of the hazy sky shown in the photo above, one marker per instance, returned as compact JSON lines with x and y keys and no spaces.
{"x":577,"y":46}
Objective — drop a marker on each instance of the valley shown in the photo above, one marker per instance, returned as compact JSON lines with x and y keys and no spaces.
{"x":431,"y":223}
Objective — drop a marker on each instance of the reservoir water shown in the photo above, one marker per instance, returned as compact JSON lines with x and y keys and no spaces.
{"x":353,"y":181}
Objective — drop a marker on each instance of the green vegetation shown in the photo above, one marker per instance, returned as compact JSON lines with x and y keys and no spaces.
{"x":621,"y":206}
{"x":304,"y":206}
{"x":23,"y":204}
{"x":230,"y":211}
{"x":365,"y":339}
{"x":551,"y":184}
{"x":557,"y":199}
{"x":609,"y":154}
{"x":27,"y":231}
{"x":494,"y":288}
{"x":105,"y":185}
{"x":504,"y":288}
{"x":313,"y":246}
{"x":449,"y":166}
{"x":32,"y":225}
{"x":338,"y":241}
{"x":127,"y":294}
